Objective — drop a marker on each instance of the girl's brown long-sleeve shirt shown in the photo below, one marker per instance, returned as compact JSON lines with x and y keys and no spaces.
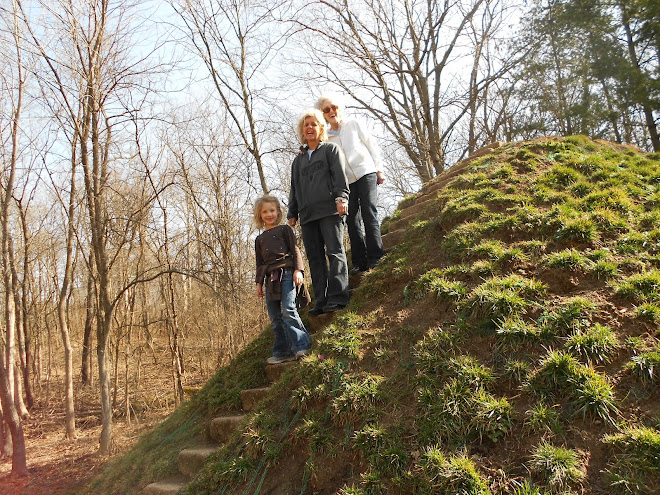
{"x":276,"y":248}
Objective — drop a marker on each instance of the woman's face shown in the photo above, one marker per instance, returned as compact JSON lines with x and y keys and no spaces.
{"x":312,"y":130}
{"x":331,"y":112}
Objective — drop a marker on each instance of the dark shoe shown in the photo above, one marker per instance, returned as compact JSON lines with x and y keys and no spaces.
{"x":373,"y":265}
{"x":356,"y":270}
{"x":332,"y":307}
{"x":315,"y":311}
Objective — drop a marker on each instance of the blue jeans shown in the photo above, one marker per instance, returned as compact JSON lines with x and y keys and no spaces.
{"x":321,"y":237}
{"x":290,"y":333}
{"x":366,"y":245}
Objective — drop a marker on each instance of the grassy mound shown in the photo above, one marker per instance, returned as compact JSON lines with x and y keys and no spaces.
{"x":509,"y":345}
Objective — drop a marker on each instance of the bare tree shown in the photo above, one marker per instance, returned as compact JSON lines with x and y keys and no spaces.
{"x":238,"y":42}
{"x":90,"y":67}
{"x":9,"y":409}
{"x":405,"y":63}
{"x":214,"y":204}
{"x":70,"y":205}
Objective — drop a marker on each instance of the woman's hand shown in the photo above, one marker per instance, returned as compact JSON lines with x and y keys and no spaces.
{"x":297,"y":278}
{"x":292,"y":222}
{"x":260,"y":290}
{"x":342,"y":207}
{"x":380,"y":178}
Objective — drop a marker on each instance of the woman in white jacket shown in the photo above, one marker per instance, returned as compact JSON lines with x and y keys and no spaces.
{"x":364,"y":172}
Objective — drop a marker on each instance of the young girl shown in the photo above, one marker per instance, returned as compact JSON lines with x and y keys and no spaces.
{"x":279,"y":262}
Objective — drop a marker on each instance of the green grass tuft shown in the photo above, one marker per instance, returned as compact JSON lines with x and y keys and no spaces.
{"x":561,"y":468}
{"x":542,"y":419}
{"x":517,"y":371}
{"x":568,"y":259}
{"x":646,"y":365}
{"x":596,"y":344}
{"x":434,"y":282}
{"x":570,"y":315}
{"x":513,"y":333}
{"x":357,"y":397}
{"x":634,"y":463}
{"x":648,"y":312}
{"x":502,"y":297}
{"x":640,"y":287}
{"x":431,"y":352}
{"x":455,"y":474}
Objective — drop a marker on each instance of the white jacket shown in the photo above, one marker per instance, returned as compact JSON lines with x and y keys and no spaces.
{"x":360,"y":148}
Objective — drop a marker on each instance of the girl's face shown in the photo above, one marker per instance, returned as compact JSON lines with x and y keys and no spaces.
{"x":269,"y":214}
{"x":312,"y":130}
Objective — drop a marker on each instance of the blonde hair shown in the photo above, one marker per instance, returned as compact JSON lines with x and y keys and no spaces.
{"x":258,"y":205}
{"x":312,"y":112}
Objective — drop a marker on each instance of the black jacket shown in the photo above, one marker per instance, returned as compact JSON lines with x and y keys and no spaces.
{"x":316,"y":183}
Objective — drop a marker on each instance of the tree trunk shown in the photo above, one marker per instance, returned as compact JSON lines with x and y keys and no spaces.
{"x":644,"y":102}
{"x":103,"y":329}
{"x":69,"y":408}
{"x":115,"y":375}
{"x":18,"y":392}
{"x":474,"y":95}
{"x":23,"y":330}
{"x":14,"y":373}
{"x":86,"y":367}
{"x":13,"y":421}
{"x":6,"y":449}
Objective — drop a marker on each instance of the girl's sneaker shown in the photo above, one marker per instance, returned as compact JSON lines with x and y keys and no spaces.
{"x":278,"y":360}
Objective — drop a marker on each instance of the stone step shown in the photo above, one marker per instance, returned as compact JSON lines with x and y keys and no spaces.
{"x":429,"y":192}
{"x":274,"y":371}
{"x":191,"y":460}
{"x":221,"y":428}
{"x":411,"y":211}
{"x":391,"y":239}
{"x":459,"y":168}
{"x":165,"y":487}
{"x":418,"y":206}
{"x":250,"y":397}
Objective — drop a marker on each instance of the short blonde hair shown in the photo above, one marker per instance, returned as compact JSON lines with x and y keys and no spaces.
{"x":312,"y":112}
{"x":258,"y":205}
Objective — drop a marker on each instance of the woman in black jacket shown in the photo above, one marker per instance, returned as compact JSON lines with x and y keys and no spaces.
{"x":318,"y":199}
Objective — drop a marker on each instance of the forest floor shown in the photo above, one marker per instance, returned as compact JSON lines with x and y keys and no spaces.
{"x":58,"y":466}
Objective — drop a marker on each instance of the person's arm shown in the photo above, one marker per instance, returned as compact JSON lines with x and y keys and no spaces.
{"x":298,"y":266}
{"x":337,"y":166}
{"x":292,"y":210}
{"x":374,"y":150}
{"x":372,"y":146}
{"x":292,"y":245}
{"x":261,"y":268}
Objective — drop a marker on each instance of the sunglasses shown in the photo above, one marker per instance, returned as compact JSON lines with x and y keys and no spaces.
{"x":330,"y":108}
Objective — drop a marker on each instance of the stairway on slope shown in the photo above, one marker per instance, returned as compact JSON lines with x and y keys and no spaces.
{"x":191,"y":460}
